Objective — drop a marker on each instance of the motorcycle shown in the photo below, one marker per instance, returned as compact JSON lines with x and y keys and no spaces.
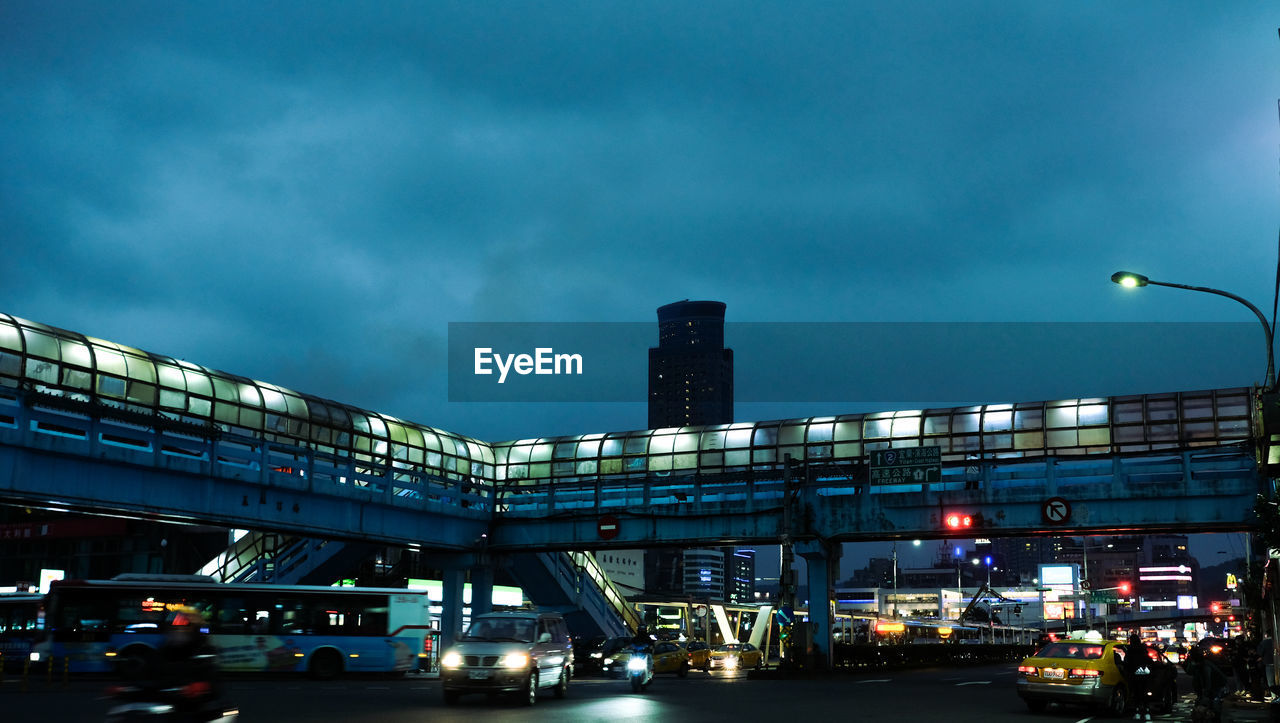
{"x":190,"y":702}
{"x":640,"y":668}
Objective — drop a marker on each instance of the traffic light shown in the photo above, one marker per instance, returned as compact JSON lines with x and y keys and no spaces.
{"x":1124,"y":588}
{"x":958,"y":521}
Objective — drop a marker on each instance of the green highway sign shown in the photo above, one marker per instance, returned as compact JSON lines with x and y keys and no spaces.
{"x":1104,"y":596}
{"x":906,"y":464}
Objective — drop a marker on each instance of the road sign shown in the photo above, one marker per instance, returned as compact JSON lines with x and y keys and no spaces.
{"x":907,"y":464}
{"x":1104,"y":596}
{"x":786,"y":615}
{"x":1056,"y":511}
{"x":607,"y":527}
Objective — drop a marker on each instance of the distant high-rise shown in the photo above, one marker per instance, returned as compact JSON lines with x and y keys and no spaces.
{"x":691,"y":384}
{"x":690,"y":371}
{"x":740,"y":576}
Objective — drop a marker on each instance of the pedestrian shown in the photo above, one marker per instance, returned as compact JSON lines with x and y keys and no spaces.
{"x":1137,"y":667}
{"x":1209,"y":683}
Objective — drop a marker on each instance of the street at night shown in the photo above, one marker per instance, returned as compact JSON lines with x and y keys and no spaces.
{"x":982,"y":694}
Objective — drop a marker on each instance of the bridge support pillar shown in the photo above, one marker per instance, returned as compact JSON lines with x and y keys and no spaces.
{"x":822,"y":560}
{"x":481,"y":589}
{"x":451,"y":606}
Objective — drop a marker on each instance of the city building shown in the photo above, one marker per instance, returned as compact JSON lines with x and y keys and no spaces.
{"x":690,"y":384}
{"x":741,"y":576}
{"x":704,"y":574}
{"x":690,"y":371}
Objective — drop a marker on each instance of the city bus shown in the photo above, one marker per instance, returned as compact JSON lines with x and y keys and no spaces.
{"x":116,"y":625}
{"x":21,"y":623}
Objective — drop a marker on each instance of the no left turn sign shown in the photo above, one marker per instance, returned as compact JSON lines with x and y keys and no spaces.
{"x":1056,"y":511}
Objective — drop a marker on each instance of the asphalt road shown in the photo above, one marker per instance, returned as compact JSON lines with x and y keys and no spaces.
{"x":955,"y":695}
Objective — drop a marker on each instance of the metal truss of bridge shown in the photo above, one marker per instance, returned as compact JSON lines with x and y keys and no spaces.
{"x":92,"y":425}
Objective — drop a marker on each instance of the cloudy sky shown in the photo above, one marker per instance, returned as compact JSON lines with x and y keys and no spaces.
{"x":308,"y":193}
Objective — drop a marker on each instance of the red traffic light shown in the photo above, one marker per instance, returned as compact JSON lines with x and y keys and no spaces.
{"x":957,"y":521}
{"x":1124,"y":588}
{"x":1213,"y":607}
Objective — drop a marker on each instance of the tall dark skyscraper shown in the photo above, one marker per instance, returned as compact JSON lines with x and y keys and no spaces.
{"x":690,"y":371}
{"x":691,"y":384}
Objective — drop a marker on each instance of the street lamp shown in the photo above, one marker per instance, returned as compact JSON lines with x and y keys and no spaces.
{"x":1130,"y":280}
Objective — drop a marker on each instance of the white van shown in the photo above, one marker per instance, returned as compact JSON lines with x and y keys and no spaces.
{"x":509,"y":652}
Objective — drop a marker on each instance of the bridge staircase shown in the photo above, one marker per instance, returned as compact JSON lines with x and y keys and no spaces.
{"x":268,"y":557}
{"x":574,"y":584}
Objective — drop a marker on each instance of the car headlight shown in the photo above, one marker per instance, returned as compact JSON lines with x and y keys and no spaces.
{"x":514,"y":660}
{"x":730,"y":662}
{"x":597,"y":655}
{"x":451,"y":660}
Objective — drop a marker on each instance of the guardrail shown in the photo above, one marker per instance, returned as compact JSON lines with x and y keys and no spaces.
{"x":63,"y":430}
{"x":766,"y":492}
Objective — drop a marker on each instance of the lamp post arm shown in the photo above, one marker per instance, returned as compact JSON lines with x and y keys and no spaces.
{"x":1270,"y":382}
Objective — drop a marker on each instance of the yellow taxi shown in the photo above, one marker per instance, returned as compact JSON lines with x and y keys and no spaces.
{"x":699,"y":655}
{"x":668,"y":657}
{"x":1085,"y":671}
{"x":732,"y":656}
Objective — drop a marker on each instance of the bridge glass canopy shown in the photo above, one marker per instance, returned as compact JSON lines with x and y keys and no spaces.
{"x":81,"y":368}
{"x":70,"y":365}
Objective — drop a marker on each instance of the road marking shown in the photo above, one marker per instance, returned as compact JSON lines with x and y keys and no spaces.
{"x":976,"y":682}
{"x":1085,"y":720}
{"x":877,"y":680}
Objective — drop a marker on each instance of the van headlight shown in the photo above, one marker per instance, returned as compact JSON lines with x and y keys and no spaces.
{"x":514,"y":660}
{"x":451,"y":660}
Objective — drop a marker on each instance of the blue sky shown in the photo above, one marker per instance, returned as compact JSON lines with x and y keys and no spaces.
{"x":308,"y":193}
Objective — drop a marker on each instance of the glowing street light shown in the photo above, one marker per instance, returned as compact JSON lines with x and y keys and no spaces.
{"x":1130,"y":280}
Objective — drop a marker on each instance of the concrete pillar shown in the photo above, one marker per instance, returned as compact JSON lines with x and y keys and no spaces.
{"x":481,"y":589}
{"x":823,"y":561}
{"x":451,"y":604}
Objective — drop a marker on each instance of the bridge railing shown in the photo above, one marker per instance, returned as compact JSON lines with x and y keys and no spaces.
{"x":1174,"y":469}
{"x":57,"y":426}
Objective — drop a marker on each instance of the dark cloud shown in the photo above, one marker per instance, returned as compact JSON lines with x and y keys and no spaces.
{"x":307,"y":194}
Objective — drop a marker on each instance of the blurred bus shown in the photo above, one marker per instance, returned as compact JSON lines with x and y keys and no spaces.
{"x":21,"y":624}
{"x":117,"y":625}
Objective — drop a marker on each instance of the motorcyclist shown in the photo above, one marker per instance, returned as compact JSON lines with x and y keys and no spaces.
{"x":187,"y":657}
{"x":1138,"y":671}
{"x":643,"y":640}
{"x":1207,"y":680}
{"x":642,"y":644}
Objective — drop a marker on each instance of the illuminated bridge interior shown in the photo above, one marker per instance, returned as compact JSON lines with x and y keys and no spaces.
{"x":78,"y":368}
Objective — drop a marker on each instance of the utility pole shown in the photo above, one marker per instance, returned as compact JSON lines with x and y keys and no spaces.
{"x":786,"y":574}
{"x":895,"y":578}
{"x":1088,"y":608}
